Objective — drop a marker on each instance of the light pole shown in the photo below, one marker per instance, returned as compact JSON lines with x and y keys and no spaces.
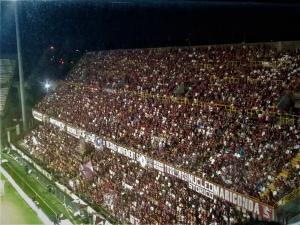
{"x":20,"y":65}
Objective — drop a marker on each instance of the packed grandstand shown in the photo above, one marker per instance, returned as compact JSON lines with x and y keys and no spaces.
{"x":145,"y":132}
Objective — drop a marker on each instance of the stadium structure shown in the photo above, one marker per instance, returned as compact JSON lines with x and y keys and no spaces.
{"x":179,"y":135}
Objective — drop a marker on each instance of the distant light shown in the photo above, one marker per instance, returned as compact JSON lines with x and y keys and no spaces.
{"x":52,"y":47}
{"x":47,"y":85}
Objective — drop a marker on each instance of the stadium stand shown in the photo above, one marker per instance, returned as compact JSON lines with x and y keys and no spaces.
{"x":7,"y":67}
{"x":131,"y":193}
{"x":209,"y":111}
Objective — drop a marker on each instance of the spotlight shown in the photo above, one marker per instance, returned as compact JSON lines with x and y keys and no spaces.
{"x":47,"y":86}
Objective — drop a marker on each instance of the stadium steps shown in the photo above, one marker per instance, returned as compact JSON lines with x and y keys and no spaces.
{"x":283,"y":174}
{"x":7,"y":69}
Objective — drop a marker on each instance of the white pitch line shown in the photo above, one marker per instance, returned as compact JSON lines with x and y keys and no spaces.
{"x":43,"y":217}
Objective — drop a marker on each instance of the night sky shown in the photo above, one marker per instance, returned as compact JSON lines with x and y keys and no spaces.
{"x":95,"y":25}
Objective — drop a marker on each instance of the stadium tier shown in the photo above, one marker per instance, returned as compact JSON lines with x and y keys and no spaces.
{"x":214,"y":112}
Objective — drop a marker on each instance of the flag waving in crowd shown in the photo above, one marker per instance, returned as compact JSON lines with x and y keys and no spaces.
{"x":87,"y":171}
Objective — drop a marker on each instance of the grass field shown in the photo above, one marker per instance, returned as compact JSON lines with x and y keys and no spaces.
{"x":36,"y":186}
{"x":13,"y":209}
{"x":34,"y":189}
{"x":48,"y":202}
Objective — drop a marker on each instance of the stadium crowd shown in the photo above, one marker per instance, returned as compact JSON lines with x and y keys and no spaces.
{"x":127,"y":96}
{"x":238,"y":150}
{"x":193,"y":137}
{"x":245,"y":77}
{"x":46,"y":146}
{"x":128,"y":191}
{"x":288,"y":185}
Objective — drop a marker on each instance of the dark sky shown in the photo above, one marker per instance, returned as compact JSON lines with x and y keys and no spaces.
{"x":94,"y":25}
{"x":129,"y":24}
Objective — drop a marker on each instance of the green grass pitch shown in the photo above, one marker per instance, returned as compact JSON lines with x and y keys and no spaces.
{"x":13,"y":209}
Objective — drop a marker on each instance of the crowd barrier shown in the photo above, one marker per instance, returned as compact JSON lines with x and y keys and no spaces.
{"x":201,"y":185}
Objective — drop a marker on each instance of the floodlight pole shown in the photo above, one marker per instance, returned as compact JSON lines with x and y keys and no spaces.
{"x":20,"y":64}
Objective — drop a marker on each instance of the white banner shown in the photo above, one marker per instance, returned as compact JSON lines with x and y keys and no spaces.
{"x":197,"y":184}
{"x":57,"y":123}
{"x":38,"y":116}
{"x":72,"y":131}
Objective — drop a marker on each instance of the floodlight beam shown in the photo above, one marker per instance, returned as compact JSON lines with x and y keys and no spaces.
{"x":20,"y":66}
